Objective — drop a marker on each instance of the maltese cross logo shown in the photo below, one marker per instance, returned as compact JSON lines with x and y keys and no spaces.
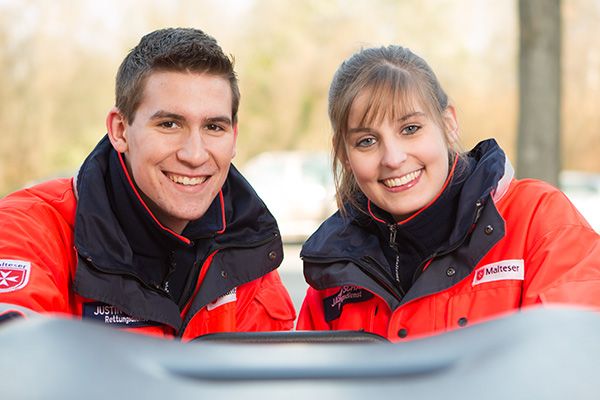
{"x":14,"y":275}
{"x":6,"y":278}
{"x":480,"y":274}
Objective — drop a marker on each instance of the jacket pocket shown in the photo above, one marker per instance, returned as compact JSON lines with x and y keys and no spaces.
{"x":483,"y":302}
{"x":277,"y":303}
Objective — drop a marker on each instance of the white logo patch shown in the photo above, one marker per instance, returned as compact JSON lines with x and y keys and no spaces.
{"x":226,"y":298}
{"x":499,"y":271}
{"x":14,"y":275}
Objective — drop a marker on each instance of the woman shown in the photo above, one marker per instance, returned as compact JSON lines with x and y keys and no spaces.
{"x":429,"y":238}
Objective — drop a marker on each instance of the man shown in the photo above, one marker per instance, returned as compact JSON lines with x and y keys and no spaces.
{"x":158,"y":233}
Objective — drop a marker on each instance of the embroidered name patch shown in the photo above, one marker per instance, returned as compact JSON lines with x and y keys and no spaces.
{"x":334,"y":304}
{"x":499,"y":271}
{"x":14,"y":275}
{"x":113,"y":316}
{"x":226,"y":298}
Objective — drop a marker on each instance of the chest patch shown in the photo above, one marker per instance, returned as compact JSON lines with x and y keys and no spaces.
{"x":499,"y":271}
{"x":334,"y":304}
{"x":113,"y":316}
{"x":14,"y":275}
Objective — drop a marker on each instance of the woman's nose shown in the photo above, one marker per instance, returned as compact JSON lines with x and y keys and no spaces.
{"x":393,"y":154}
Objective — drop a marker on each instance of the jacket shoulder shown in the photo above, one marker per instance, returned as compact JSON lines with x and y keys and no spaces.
{"x":532,"y":191}
{"x":532,"y":199}
{"x":36,"y":234}
{"x":55,"y":197}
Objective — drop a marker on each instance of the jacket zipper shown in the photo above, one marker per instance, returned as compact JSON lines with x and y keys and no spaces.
{"x":158,"y":288}
{"x":478,"y":209}
{"x":172,"y":267}
{"x":375,"y":274}
{"x":393,"y":230}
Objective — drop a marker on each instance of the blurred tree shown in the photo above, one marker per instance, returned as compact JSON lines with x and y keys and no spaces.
{"x":58,"y":60}
{"x":580,"y":137}
{"x":538,"y":143}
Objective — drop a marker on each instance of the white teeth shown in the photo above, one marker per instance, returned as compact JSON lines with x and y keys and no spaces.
{"x":184,"y":180}
{"x":403,"y":180}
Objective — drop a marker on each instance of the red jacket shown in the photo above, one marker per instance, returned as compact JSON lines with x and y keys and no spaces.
{"x":47,"y":265}
{"x":527,"y":246}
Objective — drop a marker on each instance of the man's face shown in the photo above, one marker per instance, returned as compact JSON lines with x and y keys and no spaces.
{"x":180,"y":145}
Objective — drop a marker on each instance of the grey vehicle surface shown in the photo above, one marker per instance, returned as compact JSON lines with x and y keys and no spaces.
{"x":533,"y":354}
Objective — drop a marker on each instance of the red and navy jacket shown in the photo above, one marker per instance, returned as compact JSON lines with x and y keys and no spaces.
{"x":502,"y":244}
{"x":91,"y":248}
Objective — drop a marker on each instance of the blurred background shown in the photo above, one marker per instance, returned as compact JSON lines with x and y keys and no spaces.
{"x":58,"y":59}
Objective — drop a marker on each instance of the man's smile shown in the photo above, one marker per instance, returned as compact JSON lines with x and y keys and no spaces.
{"x":187,"y":180}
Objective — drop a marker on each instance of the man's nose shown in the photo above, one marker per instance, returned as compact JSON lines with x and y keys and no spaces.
{"x":193,"y":149}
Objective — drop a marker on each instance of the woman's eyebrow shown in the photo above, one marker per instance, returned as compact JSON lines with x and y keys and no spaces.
{"x":401,"y":119}
{"x":360,"y":129}
{"x":412,"y":114}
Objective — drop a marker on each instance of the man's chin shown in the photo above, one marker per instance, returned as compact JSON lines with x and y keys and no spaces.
{"x":189,"y":216}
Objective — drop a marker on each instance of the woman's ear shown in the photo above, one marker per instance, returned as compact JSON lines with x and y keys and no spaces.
{"x":451,"y":123}
{"x":342,"y":155}
{"x":116,"y":126}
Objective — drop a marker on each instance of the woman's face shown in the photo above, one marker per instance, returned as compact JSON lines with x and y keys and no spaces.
{"x":400,"y":165}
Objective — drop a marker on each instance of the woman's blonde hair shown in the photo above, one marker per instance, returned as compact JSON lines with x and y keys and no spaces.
{"x":397,"y":80}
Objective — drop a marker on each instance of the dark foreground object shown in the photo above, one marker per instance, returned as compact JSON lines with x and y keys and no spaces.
{"x":537,"y":354}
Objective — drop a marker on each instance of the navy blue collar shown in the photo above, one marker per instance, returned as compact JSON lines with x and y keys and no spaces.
{"x":484,"y":168}
{"x":112,"y":223}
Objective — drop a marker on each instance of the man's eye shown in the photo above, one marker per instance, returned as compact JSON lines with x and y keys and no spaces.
{"x":366,"y":142}
{"x":169,"y":124}
{"x":411,"y":129}
{"x":214,"y":127}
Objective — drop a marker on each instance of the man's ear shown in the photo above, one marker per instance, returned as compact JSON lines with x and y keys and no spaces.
{"x":451,"y":123}
{"x":235,"y":136}
{"x":116,"y":126}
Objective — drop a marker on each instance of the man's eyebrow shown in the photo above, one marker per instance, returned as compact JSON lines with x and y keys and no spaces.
{"x":160,"y":114}
{"x":219,"y":119}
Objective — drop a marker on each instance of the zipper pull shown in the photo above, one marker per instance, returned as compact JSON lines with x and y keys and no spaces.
{"x":393,"y":230}
{"x":478,"y":210}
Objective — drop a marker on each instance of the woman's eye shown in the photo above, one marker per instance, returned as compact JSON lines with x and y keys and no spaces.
{"x":410,"y":129}
{"x":365,"y":142}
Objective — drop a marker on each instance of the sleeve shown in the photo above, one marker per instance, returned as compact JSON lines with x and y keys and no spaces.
{"x":311,"y":314}
{"x":563,"y":258}
{"x":35,"y":261}
{"x":270,"y":307}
